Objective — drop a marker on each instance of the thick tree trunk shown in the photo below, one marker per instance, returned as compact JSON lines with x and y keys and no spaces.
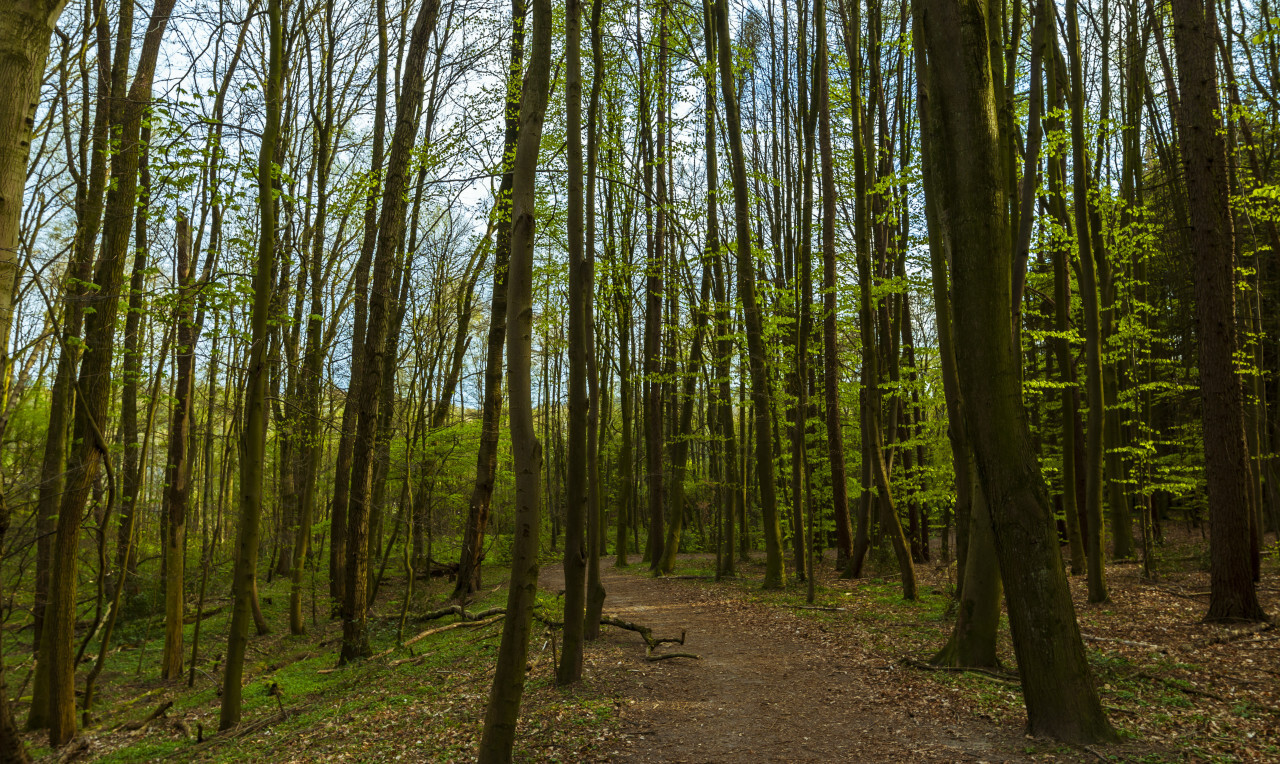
{"x":961,"y":144}
{"x":1233,"y":593}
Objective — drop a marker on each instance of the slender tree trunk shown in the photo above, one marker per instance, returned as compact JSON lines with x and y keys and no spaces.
{"x":178,"y":467}
{"x":508,"y":679}
{"x":253,"y":434}
{"x":830,"y":348}
{"x":94,"y":384}
{"x":575,"y":553}
{"x":338,"y":521}
{"x":1094,"y":456}
{"x":12,"y":748}
{"x":654,"y":288}
{"x":491,"y":415}
{"x":595,"y":519}
{"x":391,"y":227}
{"x":775,"y":574}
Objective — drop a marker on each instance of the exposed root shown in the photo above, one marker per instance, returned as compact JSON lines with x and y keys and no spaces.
{"x":1003,"y":677}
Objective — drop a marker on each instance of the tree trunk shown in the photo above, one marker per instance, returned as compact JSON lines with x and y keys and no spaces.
{"x":178,"y":464}
{"x":253,"y":435}
{"x":830,"y":349}
{"x":1094,"y":454}
{"x":94,"y":385}
{"x":350,"y":413}
{"x":575,"y":554}
{"x":960,"y":139}
{"x":595,"y":520}
{"x":391,"y":227}
{"x":775,"y":574}
{"x":503,"y":709}
{"x":491,"y":415}
{"x":1233,"y":594}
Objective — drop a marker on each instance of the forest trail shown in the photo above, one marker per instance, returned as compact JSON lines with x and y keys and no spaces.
{"x":769,"y":687}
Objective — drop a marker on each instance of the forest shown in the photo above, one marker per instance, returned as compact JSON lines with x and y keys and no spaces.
{"x":425,"y":366}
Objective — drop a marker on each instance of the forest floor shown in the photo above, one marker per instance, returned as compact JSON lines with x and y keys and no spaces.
{"x":779,"y":680}
{"x":774,"y":681}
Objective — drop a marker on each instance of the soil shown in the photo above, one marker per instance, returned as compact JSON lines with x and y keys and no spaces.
{"x":771,"y":687}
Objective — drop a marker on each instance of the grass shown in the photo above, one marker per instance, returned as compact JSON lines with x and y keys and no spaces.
{"x":421,"y":703}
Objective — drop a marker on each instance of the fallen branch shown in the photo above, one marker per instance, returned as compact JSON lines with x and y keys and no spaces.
{"x":1130,"y":643}
{"x":73,"y":750}
{"x":160,"y":711}
{"x":480,"y":619}
{"x":203,"y":615}
{"x":461,"y":612}
{"x":824,"y":608}
{"x":651,"y":642}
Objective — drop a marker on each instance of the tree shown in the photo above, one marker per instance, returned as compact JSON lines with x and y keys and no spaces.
{"x":93,"y":385}
{"x":1093,"y":466}
{"x":253,"y":433}
{"x":178,"y":467}
{"x":508,"y":678}
{"x":961,"y":142}
{"x":575,"y":553}
{"x":775,"y":575}
{"x":1233,"y":594}
{"x":487,"y":454}
{"x":391,"y":227}
{"x":830,"y":348}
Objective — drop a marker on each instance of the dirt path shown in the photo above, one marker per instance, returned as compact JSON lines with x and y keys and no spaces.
{"x":770,"y":686}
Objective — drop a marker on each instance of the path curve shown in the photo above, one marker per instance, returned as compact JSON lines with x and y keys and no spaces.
{"x":770,"y":686}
